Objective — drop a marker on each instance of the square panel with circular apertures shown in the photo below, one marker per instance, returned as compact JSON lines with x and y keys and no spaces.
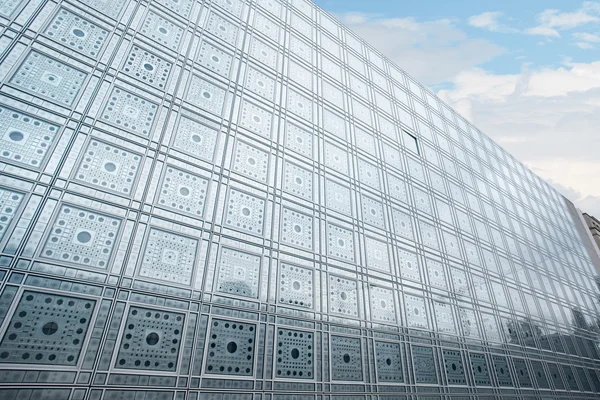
{"x":298,"y":140}
{"x":24,"y":138}
{"x":389,"y":362}
{"x":378,"y":256}
{"x":263,"y":53}
{"x":334,"y":123}
{"x":112,"y":8}
{"x":180,"y":7}
{"x":183,"y":191}
{"x":130,"y":111}
{"x":221,"y":28}
{"x":333,"y":95}
{"x":415,"y":169}
{"x":555,"y":376}
{"x":230,"y":349}
{"x":266,"y":26}
{"x":297,"y":181}
{"x":429,"y":235}
{"x":346,"y":359}
{"x":424,"y":364}
{"x":162,"y":30}
{"x":250,"y":161}
{"x":336,"y":158}
{"x":393,"y":158}
{"x":214,"y":59}
{"x":300,"y":48}
{"x":343,"y":296}
{"x":147,"y":67}
{"x":256,"y":119}
{"x":300,"y":75}
{"x":9,"y":204}
{"x":416,"y":313}
{"x":502,"y":371}
{"x":206,"y":95}
{"x":272,"y":6}
{"x":296,"y":286}
{"x":468,"y":322}
{"x":245,"y":212}
{"x":239,"y":273}
{"x":151,"y":340}
{"x":436,"y":274}
{"x":422,"y":201}
{"x":373,"y":212}
{"x":195,"y":138}
{"x":8,"y":7}
{"x":455,"y":370}
{"x":77,"y":33}
{"x":361,"y":112}
{"x":403,"y":224}
{"x":301,"y":25}
{"x":338,"y":197}
{"x":537,"y":370}
{"x":383,"y":307}
{"x":459,"y":281}
{"x":232,"y":7}
{"x":46,"y":328}
{"x":297,"y":229}
{"x":480,"y":289}
{"x":479,"y":367}
{"x":409,"y":265}
{"x":44,"y":76}
{"x":368,"y":174}
{"x":295,"y":354}
{"x":359,"y":86}
{"x":340,"y":242}
{"x":169,"y":257}
{"x":82,"y":237}
{"x":300,"y":105}
{"x":108,"y":167}
{"x":451,"y":244}
{"x":260,"y":83}
{"x":444,"y":317}
{"x":522,"y":371}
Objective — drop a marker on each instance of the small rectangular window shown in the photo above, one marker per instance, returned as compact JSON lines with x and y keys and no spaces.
{"x":411,"y":142}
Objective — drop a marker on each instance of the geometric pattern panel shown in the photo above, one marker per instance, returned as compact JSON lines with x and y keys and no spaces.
{"x":147,"y":67}
{"x":214,"y":59}
{"x":540,"y":375}
{"x":49,"y":78}
{"x":24,"y":138}
{"x":296,"y":286}
{"x":82,"y":237}
{"x":183,"y":191}
{"x":245,"y":212}
{"x":297,"y":229}
{"x":161,"y":30}
{"x":231,"y":346}
{"x":424,"y":364}
{"x":522,"y":373}
{"x":502,"y":371}
{"x":340,"y":242}
{"x":239,"y":273}
{"x":455,"y":370}
{"x":130,"y":111}
{"x":416,"y":311}
{"x":195,"y":138}
{"x":389,"y":362}
{"x":169,"y":257}
{"x":251,"y":162}
{"x":9,"y":204}
{"x":382,"y":305}
{"x":298,"y":181}
{"x":479,"y":367}
{"x":295,"y":354}
{"x":337,"y":197}
{"x":343,"y":296}
{"x":77,"y":33}
{"x":377,"y":255}
{"x":46,"y":328}
{"x":151,"y":340}
{"x":346,"y":359}
{"x":108,"y":167}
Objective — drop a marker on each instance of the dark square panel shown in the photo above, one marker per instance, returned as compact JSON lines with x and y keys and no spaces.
{"x":389,"y":362}
{"x":231,"y":348}
{"x":424,"y":364}
{"x":455,"y":370}
{"x":346,"y":359}
{"x":295,"y":354}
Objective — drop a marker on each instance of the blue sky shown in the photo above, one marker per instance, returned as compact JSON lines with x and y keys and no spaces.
{"x":525,"y":72}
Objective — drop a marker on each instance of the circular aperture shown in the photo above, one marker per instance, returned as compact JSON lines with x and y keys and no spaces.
{"x":16,"y":136}
{"x":196,"y":138}
{"x":50,"y":328}
{"x":346,"y":358}
{"x":251,"y":161}
{"x":297,"y":228}
{"x":341,"y":243}
{"x":184,"y":191}
{"x":78,"y":32}
{"x":343,"y":296}
{"x":84,"y":237}
{"x":148,"y":67}
{"x":110,"y":167}
{"x":152,"y":338}
{"x":295,"y":353}
{"x":215,"y":58}
{"x":296,"y":285}
{"x":163,"y":30}
{"x":232,"y":347}
{"x":453,"y":367}
{"x":246,"y":211}
{"x":388,"y":361}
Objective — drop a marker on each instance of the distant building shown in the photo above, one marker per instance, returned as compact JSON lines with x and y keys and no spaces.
{"x":594,"y":226}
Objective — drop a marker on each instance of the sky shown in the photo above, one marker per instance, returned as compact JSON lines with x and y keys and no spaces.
{"x":527,"y":73}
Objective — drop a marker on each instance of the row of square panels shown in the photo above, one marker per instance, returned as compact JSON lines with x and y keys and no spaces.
{"x":152,"y":340}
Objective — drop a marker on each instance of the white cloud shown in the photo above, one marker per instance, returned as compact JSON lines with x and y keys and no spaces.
{"x":584,"y":45}
{"x":542,"y":31}
{"x":547,"y":118}
{"x":587,"y":37}
{"x":490,"y":20}
{"x":431,"y":51}
{"x":551,"y":20}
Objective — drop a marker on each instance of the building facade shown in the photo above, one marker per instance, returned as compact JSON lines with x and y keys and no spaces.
{"x":594,"y":226}
{"x":238,"y":199}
